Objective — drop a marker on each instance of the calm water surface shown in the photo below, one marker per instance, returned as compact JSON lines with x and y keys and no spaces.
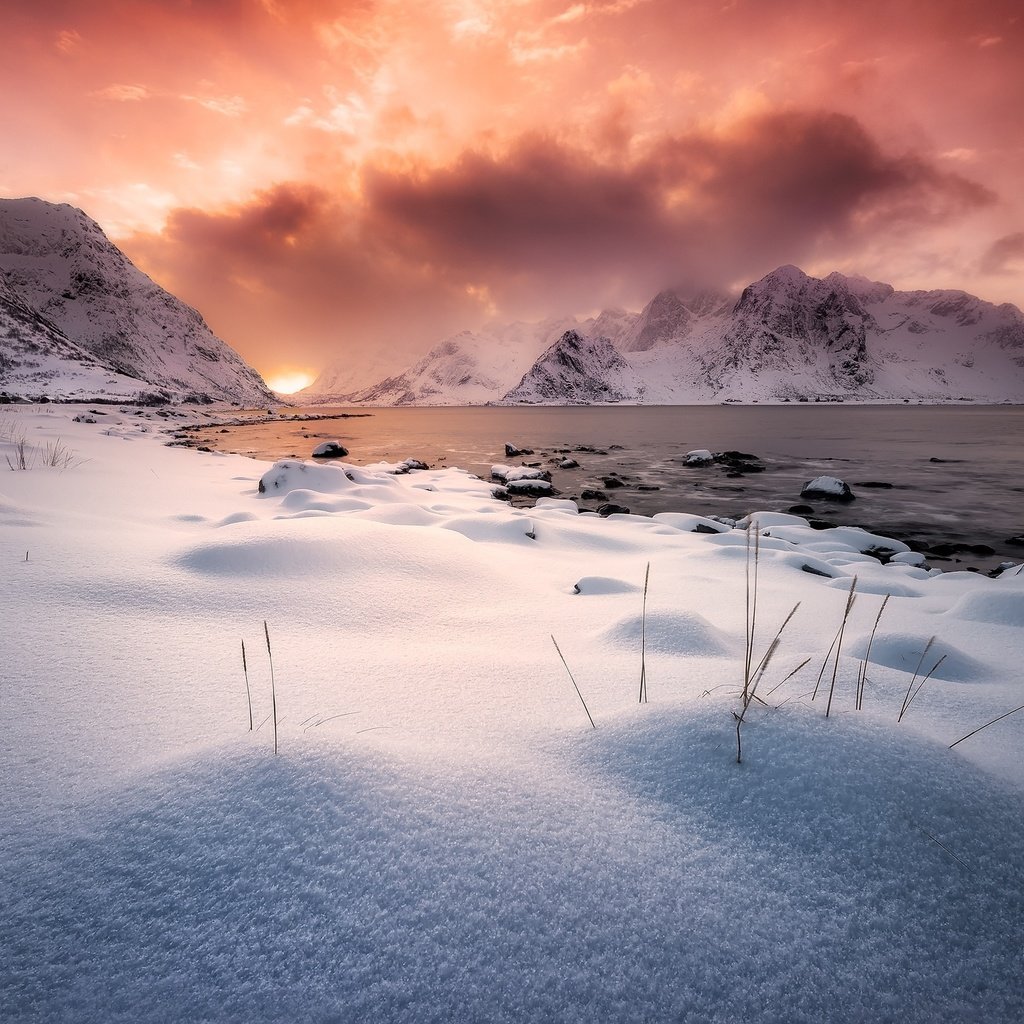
{"x":974,"y":495}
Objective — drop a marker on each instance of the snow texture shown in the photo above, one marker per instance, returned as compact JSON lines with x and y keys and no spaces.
{"x":443,"y":836}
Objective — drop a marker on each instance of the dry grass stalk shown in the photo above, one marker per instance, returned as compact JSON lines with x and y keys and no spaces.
{"x":862,"y":676}
{"x":750,"y":691}
{"x":248,"y":692}
{"x":567,"y":669}
{"x":923,"y":681}
{"x":803,"y":664}
{"x":986,"y":725}
{"x":643,"y":640}
{"x":835,"y":640}
{"x":920,"y":661}
{"x":273,"y":687}
{"x":751,"y":606}
{"x":850,"y":599}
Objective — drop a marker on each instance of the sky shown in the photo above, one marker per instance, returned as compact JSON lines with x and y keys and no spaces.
{"x":354,"y":180}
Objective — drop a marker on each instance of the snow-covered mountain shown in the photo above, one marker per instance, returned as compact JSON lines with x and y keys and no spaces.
{"x":469,"y":368}
{"x":788,"y":336}
{"x":577,"y":370}
{"x":78,"y":319}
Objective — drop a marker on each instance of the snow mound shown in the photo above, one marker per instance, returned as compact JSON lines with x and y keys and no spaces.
{"x":1000,"y":608}
{"x":676,"y":633}
{"x":904,"y":652}
{"x":604,"y":585}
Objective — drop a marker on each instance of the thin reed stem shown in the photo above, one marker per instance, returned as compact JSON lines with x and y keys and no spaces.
{"x":567,"y":669}
{"x":925,"y":680}
{"x":850,"y":599}
{"x":751,"y":607}
{"x":273,"y":687}
{"x":986,"y":725}
{"x":643,"y":640}
{"x":907,"y":698}
{"x":248,"y":692}
{"x":862,"y":676}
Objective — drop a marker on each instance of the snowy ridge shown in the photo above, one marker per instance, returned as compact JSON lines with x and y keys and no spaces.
{"x":469,"y":368}
{"x":442,"y":835}
{"x":788,"y":337}
{"x":59,"y":268}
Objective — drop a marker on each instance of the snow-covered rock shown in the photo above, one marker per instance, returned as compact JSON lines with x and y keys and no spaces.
{"x":699,"y":457}
{"x":827,"y":487}
{"x":330,"y":450}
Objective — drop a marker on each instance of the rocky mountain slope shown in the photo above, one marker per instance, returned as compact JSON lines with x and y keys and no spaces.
{"x":787,"y":337}
{"x":78,"y":319}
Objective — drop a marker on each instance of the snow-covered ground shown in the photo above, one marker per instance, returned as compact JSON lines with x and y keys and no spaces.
{"x":443,"y":836}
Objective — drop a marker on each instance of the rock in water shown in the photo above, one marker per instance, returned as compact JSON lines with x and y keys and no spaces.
{"x":699,"y":457}
{"x":829,"y":487}
{"x":330,"y":450}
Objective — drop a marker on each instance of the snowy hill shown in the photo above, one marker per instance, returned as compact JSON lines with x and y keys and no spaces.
{"x":788,"y":337}
{"x":80,"y":320}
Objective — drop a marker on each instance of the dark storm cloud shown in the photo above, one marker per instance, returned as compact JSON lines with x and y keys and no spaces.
{"x":773,"y":189}
{"x":542,"y":228}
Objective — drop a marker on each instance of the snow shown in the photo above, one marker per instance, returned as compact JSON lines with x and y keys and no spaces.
{"x":443,"y":836}
{"x":699,"y":457}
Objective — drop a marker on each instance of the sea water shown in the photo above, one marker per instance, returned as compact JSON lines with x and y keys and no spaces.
{"x":951,"y":473}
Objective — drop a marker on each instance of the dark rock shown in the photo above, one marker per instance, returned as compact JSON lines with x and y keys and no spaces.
{"x":704,"y":528}
{"x":801,"y":510}
{"x":530,"y":486}
{"x":330,"y":450}
{"x":1016,"y":542}
{"x":884,"y":555}
{"x":739,"y":462}
{"x":876,"y":484}
{"x":820,"y":524}
{"x":611,"y":482}
{"x":511,"y":451}
{"x":591,"y":494}
{"x":648,"y":487}
{"x":568,"y":464}
{"x":611,"y":509}
{"x":816,"y":572}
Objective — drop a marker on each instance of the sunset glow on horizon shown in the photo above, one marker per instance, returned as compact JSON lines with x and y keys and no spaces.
{"x":364,"y":177}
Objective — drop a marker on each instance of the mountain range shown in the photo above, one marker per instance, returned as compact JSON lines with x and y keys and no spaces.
{"x":79,"y":320}
{"x":786,"y":337}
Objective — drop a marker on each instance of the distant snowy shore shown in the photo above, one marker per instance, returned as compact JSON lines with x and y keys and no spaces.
{"x":443,"y":834}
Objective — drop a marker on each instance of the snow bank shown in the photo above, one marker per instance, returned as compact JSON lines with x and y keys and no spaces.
{"x":443,"y":836}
